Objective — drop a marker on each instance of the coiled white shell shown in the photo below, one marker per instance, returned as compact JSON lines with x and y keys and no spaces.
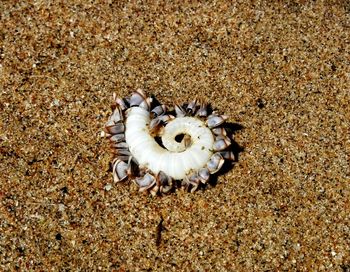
{"x":160,"y":151}
{"x":173,"y":160}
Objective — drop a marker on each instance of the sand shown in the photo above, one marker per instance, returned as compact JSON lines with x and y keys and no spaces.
{"x":279,"y":70}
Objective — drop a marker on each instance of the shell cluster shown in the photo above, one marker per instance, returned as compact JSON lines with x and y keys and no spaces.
{"x":160,"y":149}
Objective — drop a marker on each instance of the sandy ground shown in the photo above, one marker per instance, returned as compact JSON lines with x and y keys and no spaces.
{"x":280,"y":70}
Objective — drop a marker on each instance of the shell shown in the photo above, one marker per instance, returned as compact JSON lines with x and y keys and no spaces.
{"x":157,"y":123}
{"x":124,"y":158}
{"x":203,"y":110}
{"x":215,"y":120}
{"x":187,"y":141}
{"x":159,"y":110}
{"x":147,"y":149}
{"x":180,"y":112}
{"x":117,"y":138}
{"x":119,"y":170}
{"x":117,"y":115}
{"x":203,"y":175}
{"x":194,"y":181}
{"x":139,"y":98}
{"x":219,"y":131}
{"x":165,"y":182}
{"x":221,"y":143}
{"x":165,"y":118}
{"x":121,"y":103}
{"x":215,"y":163}
{"x":146,"y":182}
{"x":120,"y":145}
{"x":115,"y":129}
{"x":133,"y":168}
{"x":162,"y":119}
{"x":191,"y":108}
{"x":121,"y":152}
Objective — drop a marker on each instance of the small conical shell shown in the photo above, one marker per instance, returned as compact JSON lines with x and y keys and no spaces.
{"x":120,"y":145}
{"x":154,"y":191}
{"x":180,"y":112}
{"x":115,"y":129}
{"x":117,"y":138}
{"x":124,"y":158}
{"x":165,"y":182}
{"x":194,"y":180}
{"x":120,"y":102}
{"x":133,"y":168}
{"x":155,"y":123}
{"x":159,"y":110}
{"x":146,"y":182}
{"x":204,"y":175}
{"x":187,"y":141}
{"x":162,"y":119}
{"x":215,"y":120}
{"x":215,"y":163}
{"x":166,"y":189}
{"x":219,"y":131}
{"x":203,"y":110}
{"x":121,"y":152}
{"x":138,"y":98}
{"x":119,"y":170}
{"x":191,"y":108}
{"x":166,"y":118}
{"x":117,"y":115}
{"x":221,"y":143}
{"x":146,"y":104}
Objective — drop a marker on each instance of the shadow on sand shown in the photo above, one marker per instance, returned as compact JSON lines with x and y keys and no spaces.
{"x":232,"y":129}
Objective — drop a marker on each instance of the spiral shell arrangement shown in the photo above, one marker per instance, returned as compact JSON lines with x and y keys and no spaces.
{"x":158,"y":149}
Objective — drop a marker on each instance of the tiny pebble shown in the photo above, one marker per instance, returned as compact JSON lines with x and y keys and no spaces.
{"x":61,"y":207}
{"x":108,"y":187}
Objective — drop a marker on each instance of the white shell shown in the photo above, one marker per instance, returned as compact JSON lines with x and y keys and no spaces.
{"x":155,"y":148}
{"x":175,"y":161}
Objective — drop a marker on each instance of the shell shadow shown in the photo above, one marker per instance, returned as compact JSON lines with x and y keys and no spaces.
{"x":231,"y":129}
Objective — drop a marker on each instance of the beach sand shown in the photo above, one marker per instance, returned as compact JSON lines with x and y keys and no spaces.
{"x":280,"y":71}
